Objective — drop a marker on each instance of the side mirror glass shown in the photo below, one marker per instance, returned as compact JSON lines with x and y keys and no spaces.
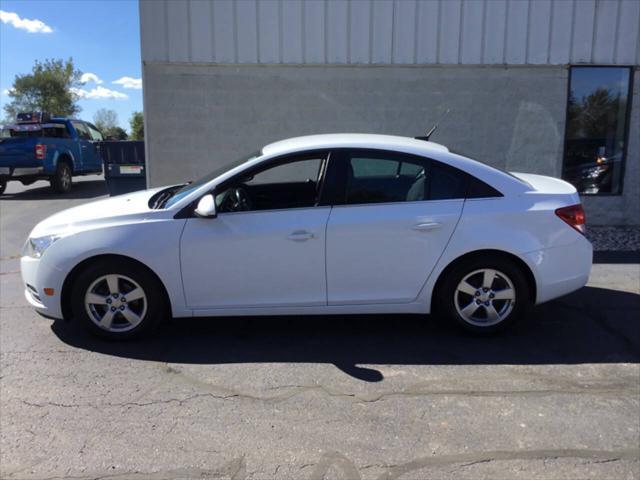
{"x":206,"y":207}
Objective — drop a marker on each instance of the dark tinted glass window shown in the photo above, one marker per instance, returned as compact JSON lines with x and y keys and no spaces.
{"x":293,"y":184}
{"x":382,"y":178}
{"x":596,"y":130}
{"x":446,"y":182}
{"x":478,"y":189}
{"x":83,"y":131}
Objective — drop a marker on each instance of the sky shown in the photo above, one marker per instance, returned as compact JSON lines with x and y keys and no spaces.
{"x":102,"y":37}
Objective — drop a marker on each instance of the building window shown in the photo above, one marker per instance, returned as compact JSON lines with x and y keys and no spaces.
{"x":597,"y":128}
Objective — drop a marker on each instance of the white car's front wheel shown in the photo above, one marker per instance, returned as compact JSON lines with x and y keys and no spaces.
{"x":117,"y":299}
{"x":484,"y":295}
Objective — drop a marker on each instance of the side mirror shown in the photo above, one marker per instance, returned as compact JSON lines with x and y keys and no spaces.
{"x":206,"y":207}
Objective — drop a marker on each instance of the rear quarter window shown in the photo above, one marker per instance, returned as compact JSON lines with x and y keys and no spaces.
{"x":446,"y":182}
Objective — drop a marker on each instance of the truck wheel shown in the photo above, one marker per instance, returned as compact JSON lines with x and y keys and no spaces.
{"x":3,"y":185}
{"x":61,"y":180}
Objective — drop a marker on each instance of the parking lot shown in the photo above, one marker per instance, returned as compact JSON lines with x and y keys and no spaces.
{"x":311,"y":398}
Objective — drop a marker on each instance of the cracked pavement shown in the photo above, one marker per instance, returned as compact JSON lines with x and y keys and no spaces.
{"x":362,"y":398}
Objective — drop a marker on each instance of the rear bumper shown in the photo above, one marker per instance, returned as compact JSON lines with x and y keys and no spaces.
{"x":11,"y":173}
{"x":561,"y":270}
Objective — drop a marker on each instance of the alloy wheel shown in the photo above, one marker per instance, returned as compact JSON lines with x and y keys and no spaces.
{"x":115,"y":303}
{"x":485,"y":297}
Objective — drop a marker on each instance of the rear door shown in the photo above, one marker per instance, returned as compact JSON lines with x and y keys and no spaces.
{"x":385,"y":234}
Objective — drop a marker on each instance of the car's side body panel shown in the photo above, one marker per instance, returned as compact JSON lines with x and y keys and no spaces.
{"x":383,"y":253}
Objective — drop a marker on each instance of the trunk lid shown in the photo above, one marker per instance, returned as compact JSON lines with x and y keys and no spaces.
{"x":545,"y":184}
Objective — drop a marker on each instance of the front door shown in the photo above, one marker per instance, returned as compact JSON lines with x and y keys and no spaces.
{"x":266,"y":247}
{"x":87,"y":148}
{"x":386,"y":238}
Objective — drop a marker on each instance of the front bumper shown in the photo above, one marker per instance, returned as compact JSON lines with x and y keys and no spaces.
{"x":36,"y":277}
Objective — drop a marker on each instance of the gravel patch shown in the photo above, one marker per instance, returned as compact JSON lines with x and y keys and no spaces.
{"x":606,"y":238}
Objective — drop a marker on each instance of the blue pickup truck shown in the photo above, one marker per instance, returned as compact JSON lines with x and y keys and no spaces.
{"x":39,"y":147}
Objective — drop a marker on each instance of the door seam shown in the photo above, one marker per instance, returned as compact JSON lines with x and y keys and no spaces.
{"x":326,"y":272}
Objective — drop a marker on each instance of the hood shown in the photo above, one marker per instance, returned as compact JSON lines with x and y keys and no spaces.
{"x":120,"y":209}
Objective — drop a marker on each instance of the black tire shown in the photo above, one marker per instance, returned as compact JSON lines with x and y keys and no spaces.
{"x":451,"y":302}
{"x":152,"y":309}
{"x":3,"y":186}
{"x":62,"y":180}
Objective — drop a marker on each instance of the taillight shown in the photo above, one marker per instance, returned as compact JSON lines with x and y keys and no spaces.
{"x":574,"y":216}
{"x":41,"y":151}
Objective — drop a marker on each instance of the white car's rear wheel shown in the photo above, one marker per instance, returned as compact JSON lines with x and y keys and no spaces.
{"x":118,"y":299}
{"x":484,"y":295}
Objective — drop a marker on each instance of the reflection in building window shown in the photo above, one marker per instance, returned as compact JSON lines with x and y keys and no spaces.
{"x":597,"y":130}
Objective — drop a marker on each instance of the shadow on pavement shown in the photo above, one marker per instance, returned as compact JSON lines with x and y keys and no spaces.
{"x":606,"y":256}
{"x":593,"y":325}
{"x":79,"y":190}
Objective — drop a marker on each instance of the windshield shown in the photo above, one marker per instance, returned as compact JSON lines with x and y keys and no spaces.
{"x":192,"y":186}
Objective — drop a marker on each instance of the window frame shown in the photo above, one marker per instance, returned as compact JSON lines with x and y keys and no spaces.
{"x":343,"y":155}
{"x":627,"y":119}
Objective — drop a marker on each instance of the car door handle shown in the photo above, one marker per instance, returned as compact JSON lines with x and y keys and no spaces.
{"x":425,"y":227}
{"x":300,"y":236}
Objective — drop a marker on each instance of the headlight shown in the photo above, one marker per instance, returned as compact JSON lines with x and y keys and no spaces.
{"x":35,"y":247}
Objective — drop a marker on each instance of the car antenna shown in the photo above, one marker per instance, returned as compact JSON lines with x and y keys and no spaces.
{"x":435,"y":126}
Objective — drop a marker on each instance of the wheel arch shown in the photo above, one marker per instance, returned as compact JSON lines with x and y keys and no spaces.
{"x":66,"y":157}
{"x":528,"y":273}
{"x":67,"y":286}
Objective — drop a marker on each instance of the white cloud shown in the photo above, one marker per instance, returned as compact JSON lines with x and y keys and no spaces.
{"x":90,"y":77}
{"x":31,"y":26}
{"x":98,"y":93}
{"x":7,"y":91}
{"x":129,"y":82}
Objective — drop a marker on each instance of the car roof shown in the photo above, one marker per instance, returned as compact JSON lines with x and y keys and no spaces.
{"x":486,"y":173}
{"x":352,"y":140}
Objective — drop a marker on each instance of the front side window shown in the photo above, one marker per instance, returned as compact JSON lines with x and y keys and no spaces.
{"x":82,"y":130}
{"x":96,"y":136}
{"x":293,"y":184}
{"x":597,"y":128}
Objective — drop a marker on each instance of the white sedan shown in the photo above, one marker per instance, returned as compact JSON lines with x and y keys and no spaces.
{"x":324,"y":224}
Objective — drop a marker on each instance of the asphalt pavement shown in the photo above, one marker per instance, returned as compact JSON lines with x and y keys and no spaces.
{"x":311,"y":398}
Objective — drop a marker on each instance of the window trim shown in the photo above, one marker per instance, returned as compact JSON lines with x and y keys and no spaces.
{"x":627,"y":119}
{"x":342,"y":156}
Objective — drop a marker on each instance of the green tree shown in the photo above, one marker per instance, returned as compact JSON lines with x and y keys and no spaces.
{"x":48,"y":88}
{"x":105,"y":120}
{"x":116,"y":133}
{"x":137,"y":126}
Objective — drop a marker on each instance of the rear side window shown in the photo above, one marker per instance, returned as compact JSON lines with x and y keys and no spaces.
{"x":387,"y":177}
{"x":384,"y":178}
{"x":56,"y":130}
{"x":48,"y":130}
